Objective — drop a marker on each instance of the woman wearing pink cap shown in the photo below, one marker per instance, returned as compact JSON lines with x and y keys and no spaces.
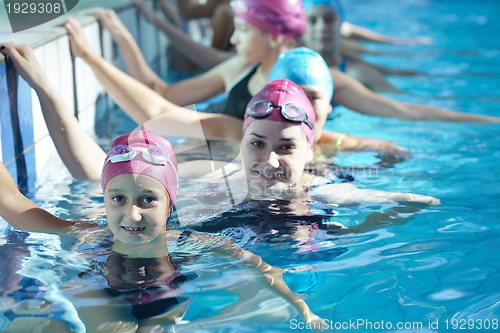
{"x":140,"y":185}
{"x":277,"y":143}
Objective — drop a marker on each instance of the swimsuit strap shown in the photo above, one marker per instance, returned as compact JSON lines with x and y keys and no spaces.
{"x":238,"y":95}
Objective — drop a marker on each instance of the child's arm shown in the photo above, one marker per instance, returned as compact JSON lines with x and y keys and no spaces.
{"x":353,"y":95}
{"x":348,"y":194}
{"x":272,"y":276}
{"x":355,"y":31}
{"x":203,"y":56}
{"x":332,"y":142}
{"x":78,"y":150}
{"x":142,"y":103}
{"x":22,"y":213}
{"x":399,"y":214}
{"x":132,"y":54}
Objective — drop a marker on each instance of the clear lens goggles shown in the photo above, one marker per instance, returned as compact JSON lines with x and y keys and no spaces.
{"x":290,"y":111}
{"x":152,"y":154}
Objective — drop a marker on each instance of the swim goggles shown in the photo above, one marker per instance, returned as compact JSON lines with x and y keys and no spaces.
{"x":152,"y":154}
{"x":290,"y":111}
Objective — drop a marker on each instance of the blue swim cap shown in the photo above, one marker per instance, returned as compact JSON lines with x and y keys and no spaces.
{"x":304,"y":67}
{"x":334,"y":4}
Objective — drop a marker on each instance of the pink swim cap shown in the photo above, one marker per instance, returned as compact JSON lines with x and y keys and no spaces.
{"x":283,"y":95}
{"x":285,"y":18}
{"x":142,"y":153}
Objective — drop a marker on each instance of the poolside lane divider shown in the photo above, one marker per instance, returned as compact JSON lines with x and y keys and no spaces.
{"x":7,"y":137}
{"x":73,"y":71}
{"x":12,"y":83}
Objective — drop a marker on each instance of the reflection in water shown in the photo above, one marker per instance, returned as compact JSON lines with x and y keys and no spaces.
{"x":150,"y":285}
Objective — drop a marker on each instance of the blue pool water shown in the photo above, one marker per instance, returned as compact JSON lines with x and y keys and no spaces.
{"x":437,"y":272}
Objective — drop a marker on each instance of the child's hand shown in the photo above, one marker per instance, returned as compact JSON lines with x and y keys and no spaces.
{"x":314,"y":322}
{"x":425,"y":199}
{"x":374,"y":144}
{"x":26,"y":63}
{"x":111,"y":22}
{"x":434,"y":201}
{"x":78,"y":41}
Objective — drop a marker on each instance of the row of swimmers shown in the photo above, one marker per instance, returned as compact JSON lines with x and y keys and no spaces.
{"x":278,"y":130}
{"x":328,"y":33}
{"x":259,"y":43}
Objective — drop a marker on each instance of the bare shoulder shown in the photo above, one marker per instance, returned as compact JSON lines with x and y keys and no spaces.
{"x":231,"y":68}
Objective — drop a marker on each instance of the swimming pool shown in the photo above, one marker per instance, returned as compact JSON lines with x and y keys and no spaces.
{"x":437,"y":272}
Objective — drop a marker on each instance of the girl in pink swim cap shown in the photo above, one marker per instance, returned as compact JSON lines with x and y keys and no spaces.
{"x":280,"y":17}
{"x":140,"y":182}
{"x":277,"y":143}
{"x":143,"y":152}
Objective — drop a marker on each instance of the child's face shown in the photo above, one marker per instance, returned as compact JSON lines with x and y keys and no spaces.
{"x":323,"y":29}
{"x":250,"y":42}
{"x":137,"y":208}
{"x":274,"y":155}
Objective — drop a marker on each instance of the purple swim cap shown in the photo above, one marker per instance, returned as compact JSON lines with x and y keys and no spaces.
{"x":282,"y":101}
{"x":285,"y":18}
{"x":142,"y":153}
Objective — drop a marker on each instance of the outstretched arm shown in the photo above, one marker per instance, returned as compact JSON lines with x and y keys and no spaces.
{"x":370,"y":77}
{"x":134,"y":59}
{"x":22,"y":213}
{"x":348,"y":194}
{"x":204,"y":57}
{"x":357,"y":97}
{"x":350,"y":48}
{"x":79,"y":152}
{"x":399,"y":214}
{"x":195,"y":9}
{"x":272,"y":276}
{"x":354,"y":31}
{"x":332,"y":142}
{"x":143,"y":104}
